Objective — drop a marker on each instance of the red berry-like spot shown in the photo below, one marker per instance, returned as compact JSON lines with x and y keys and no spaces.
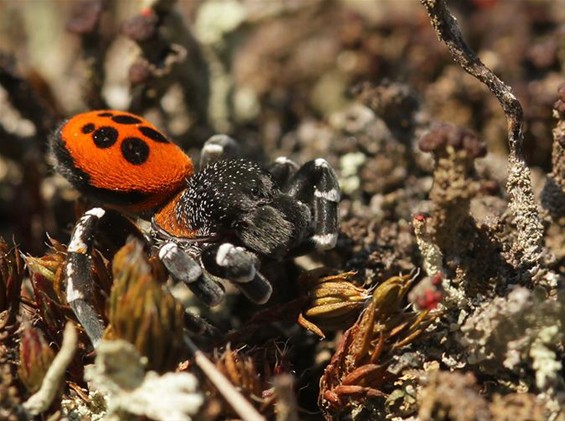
{"x":420,"y":217}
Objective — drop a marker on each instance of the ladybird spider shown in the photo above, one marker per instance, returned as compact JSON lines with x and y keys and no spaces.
{"x":215,"y":224}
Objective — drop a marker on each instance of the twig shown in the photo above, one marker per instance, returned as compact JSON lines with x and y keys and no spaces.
{"x":26,"y":99}
{"x":286,"y":400}
{"x":43,"y":398}
{"x":85,"y":22}
{"x":169,"y":54}
{"x":238,"y":403}
{"x":522,"y":205}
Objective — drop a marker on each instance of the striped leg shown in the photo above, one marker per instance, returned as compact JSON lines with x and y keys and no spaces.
{"x":77,"y":274}
{"x":237,"y":265}
{"x":283,"y":169}
{"x":219,"y":146}
{"x":183,"y":268}
{"x":316,"y":185}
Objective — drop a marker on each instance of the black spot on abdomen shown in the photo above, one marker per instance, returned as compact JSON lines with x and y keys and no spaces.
{"x":87,"y":128}
{"x":135,"y":150}
{"x":105,"y":136}
{"x":153,"y":134}
{"x":125,"y":119}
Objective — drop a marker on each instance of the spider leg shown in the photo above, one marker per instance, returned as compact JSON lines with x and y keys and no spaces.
{"x":184,"y":268}
{"x":77,"y":274}
{"x":316,"y":185}
{"x":238,"y":265}
{"x":283,"y":169}
{"x":219,"y":146}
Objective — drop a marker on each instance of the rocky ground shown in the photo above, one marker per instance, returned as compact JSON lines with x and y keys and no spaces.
{"x":443,"y":299}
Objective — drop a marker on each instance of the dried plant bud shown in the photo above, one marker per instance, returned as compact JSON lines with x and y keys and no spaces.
{"x":46,"y":275}
{"x":389,"y":295}
{"x":358,"y":369}
{"x":334,"y":302}
{"x":252,"y":372}
{"x":49,"y":266}
{"x":240,"y":371}
{"x":35,"y":358}
{"x":142,"y":312}
{"x":11,"y":275}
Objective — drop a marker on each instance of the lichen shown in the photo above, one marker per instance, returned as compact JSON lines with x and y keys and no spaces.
{"x":119,"y":373}
{"x":511,"y":334}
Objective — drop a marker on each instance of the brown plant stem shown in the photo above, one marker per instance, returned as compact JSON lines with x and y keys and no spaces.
{"x":527,"y":253}
{"x":287,"y":409}
{"x":40,"y":401}
{"x":238,"y":403}
{"x":85,"y":22}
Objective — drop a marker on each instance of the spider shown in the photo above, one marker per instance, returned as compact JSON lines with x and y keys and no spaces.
{"x":214,"y":224}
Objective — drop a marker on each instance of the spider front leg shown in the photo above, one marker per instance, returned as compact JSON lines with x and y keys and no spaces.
{"x":184,"y":268}
{"x":222,"y":261}
{"x":77,"y":274}
{"x":239,"y":266}
{"x":315,"y":184}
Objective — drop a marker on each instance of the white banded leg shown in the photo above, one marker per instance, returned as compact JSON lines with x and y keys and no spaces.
{"x":283,"y":169}
{"x":219,"y":146}
{"x":184,"y":268}
{"x":316,"y":184}
{"x":78,"y":271}
{"x":237,"y":265}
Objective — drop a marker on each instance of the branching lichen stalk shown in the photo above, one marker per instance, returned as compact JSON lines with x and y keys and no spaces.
{"x":522,"y":204}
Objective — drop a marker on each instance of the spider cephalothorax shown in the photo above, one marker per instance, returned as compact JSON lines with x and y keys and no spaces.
{"x":215,"y":223}
{"x":239,"y":200}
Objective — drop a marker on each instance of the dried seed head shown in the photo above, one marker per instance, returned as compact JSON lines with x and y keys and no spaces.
{"x":252,"y":372}
{"x":142,"y":312}
{"x":35,"y":358}
{"x":50,"y":266}
{"x":334,"y":302}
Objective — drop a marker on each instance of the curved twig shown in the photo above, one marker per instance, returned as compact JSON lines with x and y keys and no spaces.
{"x":528,"y":251}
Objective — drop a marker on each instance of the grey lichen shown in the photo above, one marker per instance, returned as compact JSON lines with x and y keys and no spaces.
{"x":522,"y":330}
{"x":119,"y":374}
